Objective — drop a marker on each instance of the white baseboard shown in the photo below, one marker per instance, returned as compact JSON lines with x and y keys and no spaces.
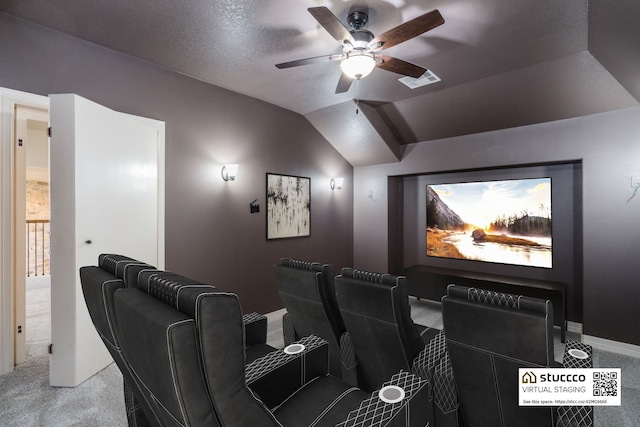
{"x":612,"y":346}
{"x":574,"y":327}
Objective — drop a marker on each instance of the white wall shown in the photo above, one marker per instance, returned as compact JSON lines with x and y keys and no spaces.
{"x":37,"y":151}
{"x":608,"y":145}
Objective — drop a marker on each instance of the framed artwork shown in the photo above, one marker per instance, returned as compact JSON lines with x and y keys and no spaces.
{"x":288,"y":206}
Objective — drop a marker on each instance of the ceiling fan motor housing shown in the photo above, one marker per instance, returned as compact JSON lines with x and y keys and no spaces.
{"x":357,"y":20}
{"x":361,"y":38}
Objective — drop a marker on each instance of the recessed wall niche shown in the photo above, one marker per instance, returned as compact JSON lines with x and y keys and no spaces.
{"x":407,"y":225}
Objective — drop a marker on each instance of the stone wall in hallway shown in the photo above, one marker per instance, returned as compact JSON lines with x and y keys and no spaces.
{"x":37,"y":232}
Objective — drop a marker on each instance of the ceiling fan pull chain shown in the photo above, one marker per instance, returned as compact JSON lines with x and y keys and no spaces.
{"x":357,"y":96}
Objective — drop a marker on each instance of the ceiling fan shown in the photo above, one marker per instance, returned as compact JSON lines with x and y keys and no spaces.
{"x":360,"y":47}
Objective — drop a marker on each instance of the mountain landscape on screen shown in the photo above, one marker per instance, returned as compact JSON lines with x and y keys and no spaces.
{"x":506,"y":222}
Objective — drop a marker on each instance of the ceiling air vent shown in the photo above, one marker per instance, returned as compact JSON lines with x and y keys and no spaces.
{"x":426,"y":79}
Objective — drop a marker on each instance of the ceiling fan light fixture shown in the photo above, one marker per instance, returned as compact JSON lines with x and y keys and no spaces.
{"x":358,"y":64}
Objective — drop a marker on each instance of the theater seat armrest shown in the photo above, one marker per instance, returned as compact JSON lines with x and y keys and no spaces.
{"x":446,"y":404}
{"x":411,"y":411}
{"x":574,"y":416}
{"x":255,"y":328}
{"x":349,"y":360}
{"x":577,"y":355}
{"x":433,"y":365}
{"x":288,"y":331}
{"x":278,"y":375}
{"x":426,"y":361}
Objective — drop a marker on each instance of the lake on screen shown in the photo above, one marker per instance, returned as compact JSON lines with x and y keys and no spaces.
{"x":505,"y":254}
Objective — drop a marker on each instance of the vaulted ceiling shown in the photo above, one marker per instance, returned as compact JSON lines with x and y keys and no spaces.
{"x":502,"y":63}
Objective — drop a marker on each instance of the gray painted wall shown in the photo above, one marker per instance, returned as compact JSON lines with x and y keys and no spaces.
{"x":608,"y":145}
{"x":210,"y":234}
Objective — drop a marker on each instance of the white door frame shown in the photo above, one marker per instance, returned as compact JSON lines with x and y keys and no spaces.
{"x":21,"y":144}
{"x":9,"y":99}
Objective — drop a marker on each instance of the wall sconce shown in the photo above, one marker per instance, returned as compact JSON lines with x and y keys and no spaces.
{"x":229,"y":172}
{"x":336,"y":183}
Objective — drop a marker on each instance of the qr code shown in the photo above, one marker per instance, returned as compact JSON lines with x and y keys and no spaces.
{"x":605,"y":384}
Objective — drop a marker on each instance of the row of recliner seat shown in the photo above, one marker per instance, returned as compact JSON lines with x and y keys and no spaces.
{"x":366,"y":319}
{"x":472,"y":371}
{"x":189,"y":357}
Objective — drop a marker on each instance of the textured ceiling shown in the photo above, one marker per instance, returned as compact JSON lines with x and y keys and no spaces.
{"x":503,"y":63}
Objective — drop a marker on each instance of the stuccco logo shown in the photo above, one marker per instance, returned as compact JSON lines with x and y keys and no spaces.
{"x":563,"y":378}
{"x":529,"y":378}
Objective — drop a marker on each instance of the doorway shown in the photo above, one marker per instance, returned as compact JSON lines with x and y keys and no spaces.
{"x":32,"y":234}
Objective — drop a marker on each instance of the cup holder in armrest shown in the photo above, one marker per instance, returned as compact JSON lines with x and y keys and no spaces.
{"x":294,"y":348}
{"x":391,"y":394}
{"x":578,"y":354}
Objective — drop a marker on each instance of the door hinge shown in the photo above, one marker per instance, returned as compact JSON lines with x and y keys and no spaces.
{"x":50,"y":349}
{"x":49,"y":131}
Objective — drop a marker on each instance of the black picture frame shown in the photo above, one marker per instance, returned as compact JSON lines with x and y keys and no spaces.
{"x":288,"y":206}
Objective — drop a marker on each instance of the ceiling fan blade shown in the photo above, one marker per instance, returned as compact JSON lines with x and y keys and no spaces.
{"x":408,"y":30}
{"x":399,"y":66}
{"x":344,"y":83}
{"x":332,"y":24}
{"x":306,"y":61}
